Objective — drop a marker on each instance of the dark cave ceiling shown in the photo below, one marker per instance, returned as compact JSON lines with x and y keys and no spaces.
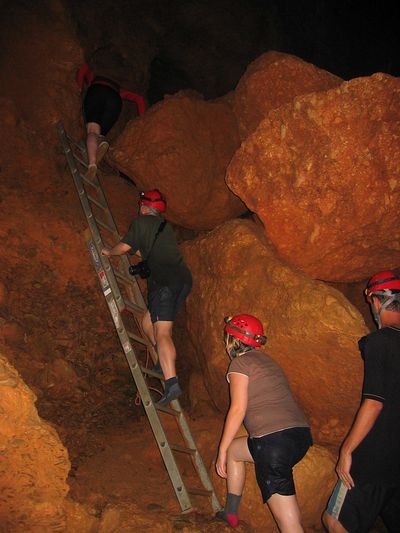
{"x":206,"y":45}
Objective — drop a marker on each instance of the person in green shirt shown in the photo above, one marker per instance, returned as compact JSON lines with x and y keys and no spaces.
{"x":168,"y":284}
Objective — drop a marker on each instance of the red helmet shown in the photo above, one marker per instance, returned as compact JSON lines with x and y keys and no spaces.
{"x":246,"y":328}
{"x":154,"y":199}
{"x":383,"y":283}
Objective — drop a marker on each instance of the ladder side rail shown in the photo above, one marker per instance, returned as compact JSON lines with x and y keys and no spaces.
{"x":151,"y":412}
{"x":89,"y":213}
{"x":198,"y":461}
{"x":133,"y":290}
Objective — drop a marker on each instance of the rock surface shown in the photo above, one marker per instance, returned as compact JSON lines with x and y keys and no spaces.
{"x":312,"y":329}
{"x":34,"y":464}
{"x":182,"y":146}
{"x":273,"y":80}
{"x":322,"y":173}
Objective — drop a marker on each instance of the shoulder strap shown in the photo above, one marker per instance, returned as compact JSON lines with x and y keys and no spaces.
{"x":160,"y":228}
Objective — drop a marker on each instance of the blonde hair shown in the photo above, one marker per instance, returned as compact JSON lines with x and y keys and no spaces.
{"x":235,"y":347}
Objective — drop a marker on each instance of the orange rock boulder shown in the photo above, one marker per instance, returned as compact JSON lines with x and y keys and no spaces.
{"x":273,"y":80}
{"x":34,"y":465}
{"x":183,"y":145}
{"x":323,"y":175}
{"x":312,"y":329}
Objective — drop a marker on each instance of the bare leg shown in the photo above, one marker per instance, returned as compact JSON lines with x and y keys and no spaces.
{"x":93,"y":132}
{"x":286,"y":513}
{"x":165,"y":347}
{"x":148,"y":329}
{"x":238,"y":455}
{"x":332,"y":525}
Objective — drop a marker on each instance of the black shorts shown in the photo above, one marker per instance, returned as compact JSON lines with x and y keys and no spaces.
{"x":274,"y":457}
{"x":358,"y":509}
{"x":164,"y":303}
{"x":102,"y":105}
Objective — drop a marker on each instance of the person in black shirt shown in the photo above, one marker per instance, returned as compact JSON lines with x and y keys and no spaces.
{"x":369,"y":460}
{"x":168,"y":285}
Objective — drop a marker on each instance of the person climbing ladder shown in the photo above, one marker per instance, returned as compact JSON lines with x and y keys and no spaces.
{"x":102,"y":106}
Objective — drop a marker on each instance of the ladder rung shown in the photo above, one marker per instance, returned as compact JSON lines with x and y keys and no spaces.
{"x":134,"y":307}
{"x":167,"y":410}
{"x":199,"y":492}
{"x":182,"y":449}
{"x":96,"y":202}
{"x":81,"y":161}
{"x":136,"y":338}
{"x":90,"y":182}
{"x":79,"y":145}
{"x":150,"y":372}
{"x":104,"y":225}
{"x":122,"y":277}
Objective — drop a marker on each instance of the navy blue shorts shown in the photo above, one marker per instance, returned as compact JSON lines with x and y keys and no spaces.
{"x":358,"y":509}
{"x":274,"y":457}
{"x":102,"y":105}
{"x":164,"y":303}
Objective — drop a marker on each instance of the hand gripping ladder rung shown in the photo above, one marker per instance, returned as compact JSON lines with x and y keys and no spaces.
{"x":134,"y":303}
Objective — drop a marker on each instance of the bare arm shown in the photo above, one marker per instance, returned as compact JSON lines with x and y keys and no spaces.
{"x":237,"y":410}
{"x":118,"y":249}
{"x":363,"y":423}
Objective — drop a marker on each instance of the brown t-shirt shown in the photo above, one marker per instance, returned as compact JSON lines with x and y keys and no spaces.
{"x":271,"y":405}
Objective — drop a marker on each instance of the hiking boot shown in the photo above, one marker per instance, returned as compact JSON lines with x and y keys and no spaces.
{"x":174,"y":392}
{"x":102,"y":149}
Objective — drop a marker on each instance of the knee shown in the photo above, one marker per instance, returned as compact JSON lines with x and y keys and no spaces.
{"x":331,"y":524}
{"x":289,"y":520}
{"x":164,"y":335}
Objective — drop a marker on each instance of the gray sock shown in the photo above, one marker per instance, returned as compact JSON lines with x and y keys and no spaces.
{"x":169,"y":382}
{"x":232,"y":503}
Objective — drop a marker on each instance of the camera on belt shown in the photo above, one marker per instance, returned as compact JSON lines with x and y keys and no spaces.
{"x":141,"y":269}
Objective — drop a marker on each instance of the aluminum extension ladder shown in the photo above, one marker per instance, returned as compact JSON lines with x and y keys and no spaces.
{"x":123,"y":297}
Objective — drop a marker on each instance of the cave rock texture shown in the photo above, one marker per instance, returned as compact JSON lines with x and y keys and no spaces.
{"x":34,"y":464}
{"x":314,"y":474}
{"x":272,"y":80}
{"x":322,"y":173}
{"x":183,"y":145}
{"x":312,"y":328}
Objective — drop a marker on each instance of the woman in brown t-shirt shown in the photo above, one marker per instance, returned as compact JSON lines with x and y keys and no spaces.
{"x":279,"y":434}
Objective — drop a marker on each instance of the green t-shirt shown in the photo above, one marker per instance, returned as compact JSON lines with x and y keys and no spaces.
{"x":166,"y":263}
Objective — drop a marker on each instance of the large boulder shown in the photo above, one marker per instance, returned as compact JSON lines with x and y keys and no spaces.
{"x":323,"y":174}
{"x":273,"y":80}
{"x":312,"y":329}
{"x":183,"y":146}
{"x":314,"y":478}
